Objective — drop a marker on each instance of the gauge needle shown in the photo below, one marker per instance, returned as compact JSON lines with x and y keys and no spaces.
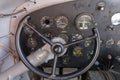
{"x":40,"y":34}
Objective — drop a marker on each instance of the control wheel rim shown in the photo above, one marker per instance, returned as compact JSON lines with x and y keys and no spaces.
{"x":47,"y":75}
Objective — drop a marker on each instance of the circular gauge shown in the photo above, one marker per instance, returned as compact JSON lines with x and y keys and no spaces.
{"x":32,"y":43}
{"x":28,"y":31}
{"x":61,"y":22}
{"x":64,"y":36}
{"x":87,"y":43}
{"x":46,"y":21}
{"x":77,"y":51}
{"x":115,"y":19}
{"x":83,"y":22}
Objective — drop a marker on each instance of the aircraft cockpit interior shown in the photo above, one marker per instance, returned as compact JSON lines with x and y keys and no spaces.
{"x":59,"y":39}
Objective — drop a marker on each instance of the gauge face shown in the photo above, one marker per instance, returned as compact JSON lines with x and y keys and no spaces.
{"x":61,"y":22}
{"x":32,"y":43}
{"x":64,"y":36}
{"x":87,"y":43}
{"x":46,"y":21}
{"x":28,"y":31}
{"x":83,"y":22}
{"x":77,"y":51}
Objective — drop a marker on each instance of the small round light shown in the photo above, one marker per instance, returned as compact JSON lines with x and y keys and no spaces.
{"x":115,"y":19}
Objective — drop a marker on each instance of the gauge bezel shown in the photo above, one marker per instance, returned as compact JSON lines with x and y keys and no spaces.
{"x":82,"y":14}
{"x":46,"y":21}
{"x":58,"y":17}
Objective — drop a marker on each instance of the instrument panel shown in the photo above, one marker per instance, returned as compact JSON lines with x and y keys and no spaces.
{"x":73,"y":21}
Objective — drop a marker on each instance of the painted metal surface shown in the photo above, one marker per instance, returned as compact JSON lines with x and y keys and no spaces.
{"x":10,"y":24}
{"x":6,"y":59}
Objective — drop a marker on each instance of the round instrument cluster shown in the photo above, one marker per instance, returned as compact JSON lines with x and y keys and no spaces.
{"x":82,"y":21}
{"x":60,"y":27}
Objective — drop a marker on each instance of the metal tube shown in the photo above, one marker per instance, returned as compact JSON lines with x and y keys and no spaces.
{"x":36,"y":58}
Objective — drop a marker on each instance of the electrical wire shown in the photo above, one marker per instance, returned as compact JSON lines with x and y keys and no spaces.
{"x":104,"y":74}
{"x":1,"y":59}
{"x":14,"y":54}
{"x":11,"y":14}
{"x":6,"y":36}
{"x":115,"y":72}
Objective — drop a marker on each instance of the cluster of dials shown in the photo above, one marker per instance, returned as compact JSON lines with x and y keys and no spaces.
{"x":61,"y":22}
{"x":82,"y":21}
{"x":31,"y":41}
{"x":110,"y":42}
